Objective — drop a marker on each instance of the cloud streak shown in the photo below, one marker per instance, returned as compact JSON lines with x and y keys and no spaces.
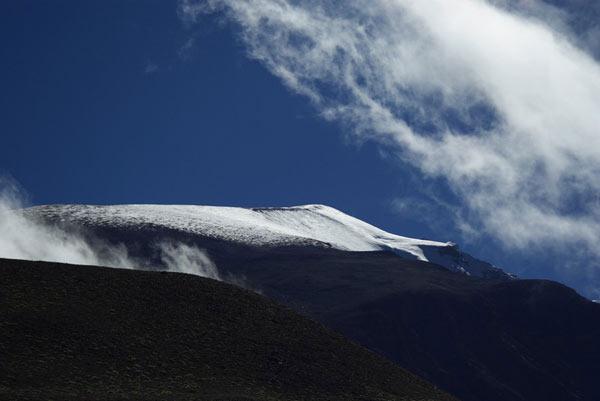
{"x":24,"y":238}
{"x":501,"y":103}
{"x":189,"y":259}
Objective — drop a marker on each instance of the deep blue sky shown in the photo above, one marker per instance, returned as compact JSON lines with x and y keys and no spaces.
{"x":103,"y":103}
{"x":83,"y":121}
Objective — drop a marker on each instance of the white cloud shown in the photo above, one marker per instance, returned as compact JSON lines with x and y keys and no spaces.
{"x":186,"y":50}
{"x":498,"y":101}
{"x":150,"y":68}
{"x":24,"y":238}
{"x":189,"y":259}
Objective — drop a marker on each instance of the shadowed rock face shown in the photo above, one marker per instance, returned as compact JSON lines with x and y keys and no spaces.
{"x":88,"y":333}
{"x":478,"y":339}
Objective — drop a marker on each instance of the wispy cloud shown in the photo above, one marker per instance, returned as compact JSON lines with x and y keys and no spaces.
{"x":22,"y":237}
{"x":189,"y":259}
{"x":186,"y":50}
{"x":150,"y":68}
{"x":496,"y":98}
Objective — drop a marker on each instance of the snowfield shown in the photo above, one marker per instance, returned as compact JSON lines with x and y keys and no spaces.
{"x":307,"y":225}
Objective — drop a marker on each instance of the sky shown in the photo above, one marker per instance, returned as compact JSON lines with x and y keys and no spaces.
{"x":472,"y":121}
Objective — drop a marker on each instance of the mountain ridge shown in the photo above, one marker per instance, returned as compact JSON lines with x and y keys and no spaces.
{"x":306,"y":225}
{"x":487,"y":338}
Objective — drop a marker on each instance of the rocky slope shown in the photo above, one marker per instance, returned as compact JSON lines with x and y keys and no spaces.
{"x":88,"y":333}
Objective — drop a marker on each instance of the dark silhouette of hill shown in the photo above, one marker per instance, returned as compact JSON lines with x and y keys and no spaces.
{"x":478,"y":339}
{"x":531,"y":340}
{"x":89,"y":333}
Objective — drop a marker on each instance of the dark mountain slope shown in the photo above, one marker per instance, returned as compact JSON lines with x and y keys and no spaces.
{"x":87,"y":333}
{"x":481,"y":340}
{"x":478,"y":339}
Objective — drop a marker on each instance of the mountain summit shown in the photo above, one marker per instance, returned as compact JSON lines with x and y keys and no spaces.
{"x":462,"y":324}
{"x":298,"y":226}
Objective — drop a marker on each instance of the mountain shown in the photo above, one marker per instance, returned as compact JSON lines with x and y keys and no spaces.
{"x":478,"y":339}
{"x":89,"y":333}
{"x":313,"y":226}
{"x":484,"y":336}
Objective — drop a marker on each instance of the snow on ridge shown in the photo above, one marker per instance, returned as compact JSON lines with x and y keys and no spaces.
{"x":317,"y":224}
{"x":305,"y":225}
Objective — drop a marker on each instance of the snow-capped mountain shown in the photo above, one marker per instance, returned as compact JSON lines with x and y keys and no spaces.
{"x":383,"y":291}
{"x":304,"y":226}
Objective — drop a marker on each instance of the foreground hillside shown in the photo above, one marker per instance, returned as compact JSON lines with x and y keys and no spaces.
{"x":89,"y":333}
